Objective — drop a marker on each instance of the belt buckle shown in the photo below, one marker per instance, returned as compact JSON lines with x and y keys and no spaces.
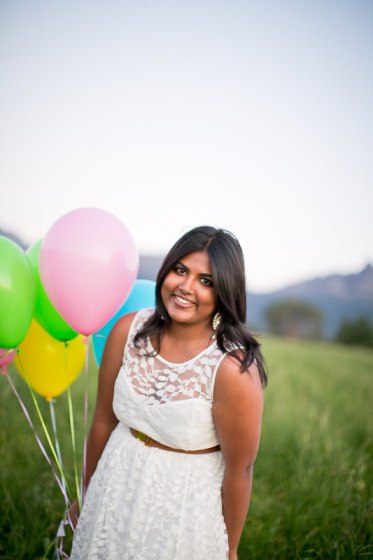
{"x":141,"y":436}
{"x":144,"y":438}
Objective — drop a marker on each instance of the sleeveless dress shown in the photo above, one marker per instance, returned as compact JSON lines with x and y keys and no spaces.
{"x":146,"y":503}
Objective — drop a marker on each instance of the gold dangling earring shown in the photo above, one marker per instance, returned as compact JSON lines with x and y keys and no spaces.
{"x":216,"y":321}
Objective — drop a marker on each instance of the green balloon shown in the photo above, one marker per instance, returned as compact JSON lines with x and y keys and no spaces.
{"x":17,"y":294}
{"x":45,"y":313}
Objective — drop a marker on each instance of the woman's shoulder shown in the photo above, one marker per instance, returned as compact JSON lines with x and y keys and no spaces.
{"x":124,"y":323}
{"x":134,"y":319}
{"x":120,"y":332}
{"x":145,"y":313}
{"x":230,"y":375}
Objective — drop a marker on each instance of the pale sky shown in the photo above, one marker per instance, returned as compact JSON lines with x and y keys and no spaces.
{"x":254,"y":116}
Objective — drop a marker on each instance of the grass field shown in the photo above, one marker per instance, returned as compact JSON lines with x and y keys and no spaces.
{"x":312,"y":495}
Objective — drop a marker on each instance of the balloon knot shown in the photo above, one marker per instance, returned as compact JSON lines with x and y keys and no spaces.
{"x":4,"y":370}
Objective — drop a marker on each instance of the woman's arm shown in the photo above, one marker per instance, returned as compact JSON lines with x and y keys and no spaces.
{"x":104,"y":419}
{"x":237,"y":412}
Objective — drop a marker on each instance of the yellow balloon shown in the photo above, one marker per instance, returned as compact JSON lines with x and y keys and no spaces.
{"x":49,"y":365}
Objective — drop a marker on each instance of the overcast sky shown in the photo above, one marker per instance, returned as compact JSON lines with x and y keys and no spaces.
{"x":254,"y":116}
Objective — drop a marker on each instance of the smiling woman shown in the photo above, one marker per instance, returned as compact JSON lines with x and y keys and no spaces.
{"x":177,"y":423}
{"x":187,"y":291}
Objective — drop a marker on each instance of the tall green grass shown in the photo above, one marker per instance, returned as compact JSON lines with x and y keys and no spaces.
{"x":312,"y":493}
{"x":31,"y":504}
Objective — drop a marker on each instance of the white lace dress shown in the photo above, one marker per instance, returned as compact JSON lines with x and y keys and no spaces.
{"x":145,"y":503}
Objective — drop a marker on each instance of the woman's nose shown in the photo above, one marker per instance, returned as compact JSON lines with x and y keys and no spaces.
{"x":186,"y":285}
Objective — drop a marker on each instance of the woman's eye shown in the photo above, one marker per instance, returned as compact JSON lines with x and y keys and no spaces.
{"x":179,"y":269}
{"x":206,"y":282}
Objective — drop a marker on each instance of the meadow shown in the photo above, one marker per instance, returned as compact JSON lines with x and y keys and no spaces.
{"x":312,"y":493}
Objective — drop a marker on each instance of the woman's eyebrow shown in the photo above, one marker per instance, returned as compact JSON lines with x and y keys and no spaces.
{"x":182,"y":264}
{"x":200,"y":274}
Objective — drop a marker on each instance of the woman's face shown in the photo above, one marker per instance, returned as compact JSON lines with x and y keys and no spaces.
{"x":187,"y":291}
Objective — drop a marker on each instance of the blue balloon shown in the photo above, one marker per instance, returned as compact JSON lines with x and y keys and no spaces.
{"x":141,"y":296}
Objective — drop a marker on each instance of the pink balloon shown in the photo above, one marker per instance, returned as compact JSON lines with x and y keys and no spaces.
{"x":88,"y":263}
{"x":6,"y":356}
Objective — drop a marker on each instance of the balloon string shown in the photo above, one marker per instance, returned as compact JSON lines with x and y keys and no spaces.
{"x":72,"y":432}
{"x":73,"y":443}
{"x":6,"y":352}
{"x":60,"y":537}
{"x":58,"y":548}
{"x":59,"y":541}
{"x":45,"y":429}
{"x":85,"y":420}
{"x":38,"y":440}
{"x":56,"y":442}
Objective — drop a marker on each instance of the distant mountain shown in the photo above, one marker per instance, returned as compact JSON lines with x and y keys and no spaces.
{"x":13,"y":237}
{"x":338,"y":296}
{"x":149,"y":267}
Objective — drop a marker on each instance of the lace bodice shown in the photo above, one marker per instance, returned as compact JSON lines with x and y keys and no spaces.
{"x":170,"y":402}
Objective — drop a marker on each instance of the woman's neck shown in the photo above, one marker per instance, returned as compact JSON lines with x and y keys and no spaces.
{"x":182,"y":342}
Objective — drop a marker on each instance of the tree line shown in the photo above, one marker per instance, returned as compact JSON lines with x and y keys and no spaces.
{"x":301,"y":319}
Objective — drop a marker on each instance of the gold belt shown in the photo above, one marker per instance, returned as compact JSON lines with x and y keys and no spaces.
{"x":150,"y":442}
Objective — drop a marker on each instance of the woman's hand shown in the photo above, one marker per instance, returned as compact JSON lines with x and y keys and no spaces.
{"x":73,"y":513}
{"x":232,"y":555}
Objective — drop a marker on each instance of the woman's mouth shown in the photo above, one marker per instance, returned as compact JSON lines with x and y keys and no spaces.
{"x":182,"y":302}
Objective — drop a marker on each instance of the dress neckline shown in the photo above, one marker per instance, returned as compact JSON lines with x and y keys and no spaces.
{"x":167,"y":362}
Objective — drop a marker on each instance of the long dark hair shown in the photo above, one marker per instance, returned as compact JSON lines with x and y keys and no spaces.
{"x":228,"y":275}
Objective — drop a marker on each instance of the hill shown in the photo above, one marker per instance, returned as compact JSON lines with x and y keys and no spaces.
{"x":13,"y":237}
{"x":338,"y":296}
{"x":149,"y":267}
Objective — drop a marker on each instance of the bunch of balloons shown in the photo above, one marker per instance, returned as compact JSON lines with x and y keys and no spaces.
{"x":75,"y":282}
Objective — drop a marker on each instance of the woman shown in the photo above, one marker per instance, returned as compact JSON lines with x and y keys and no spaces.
{"x":176,"y":432}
